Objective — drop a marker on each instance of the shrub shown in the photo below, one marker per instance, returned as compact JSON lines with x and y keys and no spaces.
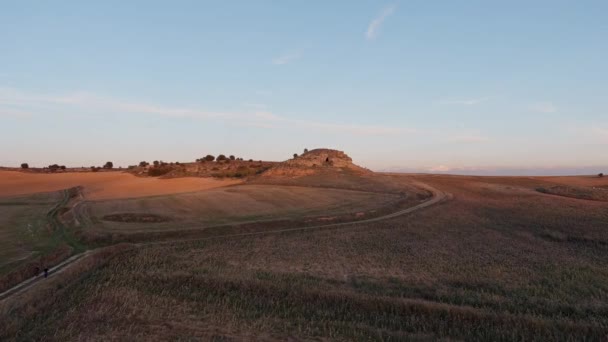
{"x":158,"y":171}
{"x":54,"y":167}
{"x":156,"y":163}
{"x":305,"y":150}
{"x":108,"y":165}
{"x":209,"y":158}
{"x":251,"y":160}
{"x":221,"y":157}
{"x":25,"y":166}
{"x":131,"y":167}
{"x":94,"y":169}
{"x":232,"y":157}
{"x":143,"y":163}
{"x":599,"y":174}
{"x":295,"y":155}
{"x":62,"y":167}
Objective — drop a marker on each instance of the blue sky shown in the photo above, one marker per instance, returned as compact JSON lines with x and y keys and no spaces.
{"x":412,"y":85}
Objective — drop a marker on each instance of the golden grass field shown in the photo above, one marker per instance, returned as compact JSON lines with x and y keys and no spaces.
{"x":187,"y":206}
{"x":103,"y":185}
{"x":498,"y":261}
{"x":236,"y":204}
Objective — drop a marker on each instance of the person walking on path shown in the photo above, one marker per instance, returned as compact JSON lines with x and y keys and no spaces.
{"x":46,"y":272}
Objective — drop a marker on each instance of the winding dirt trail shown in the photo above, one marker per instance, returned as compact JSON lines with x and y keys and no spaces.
{"x":438,"y":196}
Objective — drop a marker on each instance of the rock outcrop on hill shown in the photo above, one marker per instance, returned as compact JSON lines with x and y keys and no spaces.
{"x":315,"y":161}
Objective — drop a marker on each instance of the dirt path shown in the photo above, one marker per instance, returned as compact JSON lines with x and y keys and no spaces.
{"x":437,"y":197}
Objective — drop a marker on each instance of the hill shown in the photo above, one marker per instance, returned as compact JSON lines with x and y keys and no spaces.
{"x":316,"y":161}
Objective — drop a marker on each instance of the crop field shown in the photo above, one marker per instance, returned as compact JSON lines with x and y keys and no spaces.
{"x":231,"y":205}
{"x":499,"y":261}
{"x":103,"y":185}
{"x":24,"y":231}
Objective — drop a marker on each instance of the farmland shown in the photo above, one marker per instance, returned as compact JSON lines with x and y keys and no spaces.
{"x":499,"y":261}
{"x":237,"y":204}
{"x":24,"y":227}
{"x":103,"y":185}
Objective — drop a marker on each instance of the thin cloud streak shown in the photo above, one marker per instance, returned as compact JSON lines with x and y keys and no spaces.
{"x":374,"y":26}
{"x":257,"y":118}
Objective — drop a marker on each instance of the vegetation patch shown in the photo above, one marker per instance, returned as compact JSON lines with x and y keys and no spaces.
{"x":136,"y":218}
{"x":593,"y":194}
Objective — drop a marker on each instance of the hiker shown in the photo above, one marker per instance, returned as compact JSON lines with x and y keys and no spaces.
{"x":46,"y":272}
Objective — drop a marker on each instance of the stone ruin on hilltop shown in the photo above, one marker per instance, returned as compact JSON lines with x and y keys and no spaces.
{"x":315,"y":161}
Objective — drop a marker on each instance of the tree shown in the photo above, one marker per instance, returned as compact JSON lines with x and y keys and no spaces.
{"x":305,"y":150}
{"x":25,"y":166}
{"x":143,"y":163}
{"x":156,"y":163}
{"x":54,"y":167}
{"x":232,"y":157}
{"x":62,"y":167}
{"x":209,"y":158}
{"x":600,"y":175}
{"x":295,"y":155}
{"x":221,"y":157}
{"x":108,"y":165}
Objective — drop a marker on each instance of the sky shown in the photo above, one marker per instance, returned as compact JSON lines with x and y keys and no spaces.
{"x":422,"y":86}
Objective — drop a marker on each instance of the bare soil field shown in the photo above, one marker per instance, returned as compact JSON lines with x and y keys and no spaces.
{"x":499,"y":261}
{"x":103,"y":185}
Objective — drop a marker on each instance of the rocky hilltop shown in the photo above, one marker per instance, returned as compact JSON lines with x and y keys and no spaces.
{"x":315,"y":161}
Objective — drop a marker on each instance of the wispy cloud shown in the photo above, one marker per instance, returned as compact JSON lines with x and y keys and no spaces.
{"x":544,"y":107}
{"x":257,"y":117}
{"x":374,"y":26}
{"x":287,"y":58}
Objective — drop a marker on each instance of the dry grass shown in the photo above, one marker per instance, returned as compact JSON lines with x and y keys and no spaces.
{"x":103,"y":185}
{"x":238,"y":204}
{"x":23,"y":226}
{"x":499,"y":261}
